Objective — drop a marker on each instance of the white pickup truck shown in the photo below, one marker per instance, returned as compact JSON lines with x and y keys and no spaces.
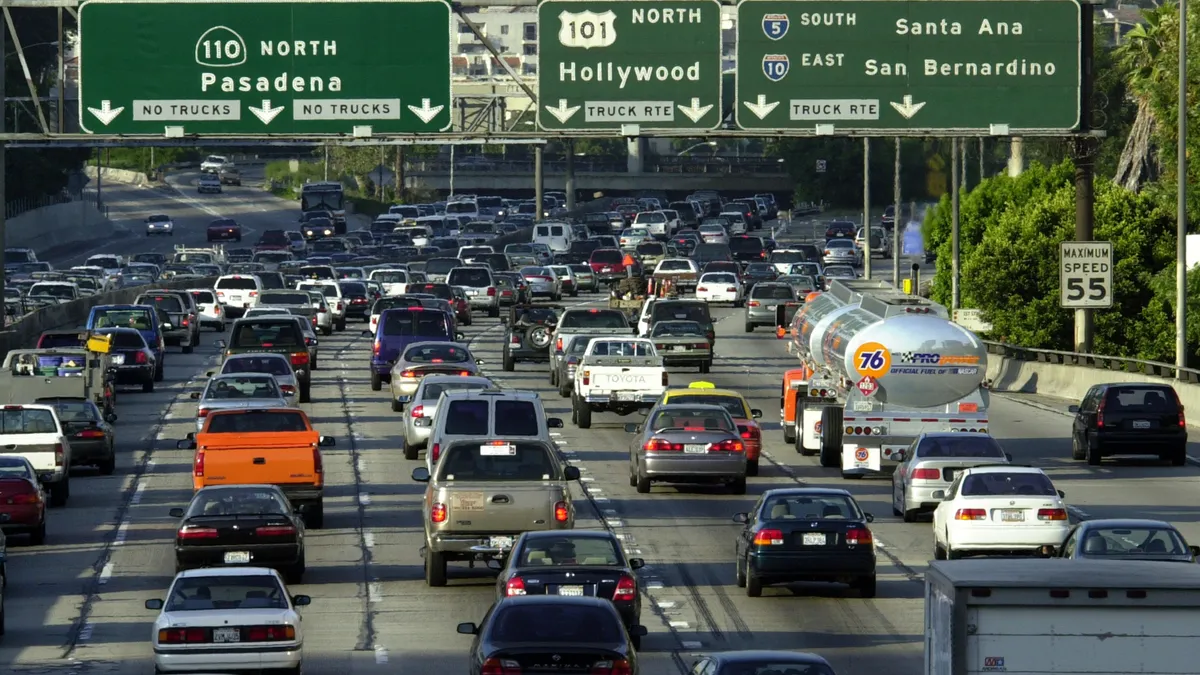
{"x":34,"y":432}
{"x":616,"y":374}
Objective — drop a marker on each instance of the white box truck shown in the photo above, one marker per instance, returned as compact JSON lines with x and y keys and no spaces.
{"x":1061,"y":616}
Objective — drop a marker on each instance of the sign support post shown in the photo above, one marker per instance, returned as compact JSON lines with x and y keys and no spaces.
{"x":1084,"y":171}
{"x":954,"y":261}
{"x":538,"y":185}
{"x":4,"y":161}
{"x":896,"y":235}
{"x":866,"y":218}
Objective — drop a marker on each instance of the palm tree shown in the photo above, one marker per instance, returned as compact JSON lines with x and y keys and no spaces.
{"x":1139,"y":56}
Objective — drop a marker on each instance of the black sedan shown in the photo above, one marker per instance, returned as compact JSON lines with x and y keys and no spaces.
{"x":551,"y":633}
{"x":131,"y":360}
{"x":1125,"y":539}
{"x":758,"y":272}
{"x":805,"y":534}
{"x":358,"y":300}
{"x":229,"y":525}
{"x":756,"y":662}
{"x":575,"y":563}
{"x":89,"y":432}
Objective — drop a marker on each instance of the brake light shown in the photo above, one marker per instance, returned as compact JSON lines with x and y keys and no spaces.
{"x":58,"y":454}
{"x":464,"y":373}
{"x":216,"y":309}
{"x":561,"y":513}
{"x":1100,"y":413}
{"x":438,"y":513}
{"x":665,"y":378}
{"x":139,"y":357}
{"x":26,"y":498}
{"x":768,"y":537}
{"x":587,"y":377}
{"x":626,"y":588}
{"x":514,"y":340}
{"x":300,"y":358}
{"x":340,"y":305}
{"x":318,"y":461}
{"x":435,"y":452}
{"x":558,"y":347}
{"x":198,"y":464}
{"x":728,"y":445}
{"x":417,"y":412}
{"x":407,"y":373}
{"x":314,"y":321}
{"x":195,"y":532}
{"x":269,"y":633}
{"x":1052,"y":514}
{"x":90,"y":433}
{"x":926,"y":474}
{"x":275,"y":531}
{"x":500,"y":667}
{"x":970,"y":514}
{"x":375,"y":349}
{"x":662,"y":445}
{"x":287,"y":389}
{"x":491,"y":292}
{"x":750,"y":433}
{"x":753,"y":303}
{"x":515,"y":586}
{"x":185,"y":322}
{"x":174,"y":636}
{"x":859,"y":535}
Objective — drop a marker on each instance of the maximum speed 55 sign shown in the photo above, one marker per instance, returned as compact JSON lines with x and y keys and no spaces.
{"x":1085,"y":274}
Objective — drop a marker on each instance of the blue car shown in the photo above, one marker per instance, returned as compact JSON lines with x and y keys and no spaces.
{"x":399,"y":327}
{"x":146,"y":319}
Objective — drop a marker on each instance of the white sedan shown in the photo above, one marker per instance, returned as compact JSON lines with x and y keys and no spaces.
{"x":720,"y":287}
{"x":998,"y":509}
{"x":228,"y":618}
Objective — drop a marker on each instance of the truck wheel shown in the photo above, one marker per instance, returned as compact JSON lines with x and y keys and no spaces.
{"x":749,"y":327}
{"x":435,"y":569}
{"x":866,"y":586}
{"x":738,"y":487}
{"x":188,"y":348}
{"x":325,"y":330}
{"x":341,"y":324}
{"x":851,"y":476}
{"x":315,"y":518}
{"x":376,"y":382}
{"x":790,"y":437}
{"x":315,"y":365}
{"x":509,"y":363}
{"x":305,"y":393}
{"x":831,"y":440}
{"x":575,"y":294}
{"x":583,"y":418}
{"x":60,"y":492}
{"x":493,"y":312}
{"x":564,"y":390}
{"x":148,"y":387}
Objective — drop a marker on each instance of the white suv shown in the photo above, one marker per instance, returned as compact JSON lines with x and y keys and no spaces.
{"x":333,"y":295}
{"x":237,"y":293}
{"x":215,"y":163}
{"x":208,"y":309}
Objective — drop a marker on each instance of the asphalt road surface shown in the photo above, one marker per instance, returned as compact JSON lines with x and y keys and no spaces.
{"x":75,"y":604}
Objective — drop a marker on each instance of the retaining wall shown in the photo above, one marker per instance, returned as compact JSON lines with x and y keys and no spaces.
{"x":58,"y":225}
{"x":116,"y":175}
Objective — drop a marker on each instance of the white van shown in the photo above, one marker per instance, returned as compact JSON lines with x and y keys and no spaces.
{"x":556,"y":236}
{"x":463,"y":208}
{"x":394,"y":279}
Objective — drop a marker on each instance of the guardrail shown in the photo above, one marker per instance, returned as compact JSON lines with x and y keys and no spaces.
{"x":583,"y":166}
{"x":17,"y":207}
{"x":1094,"y":361}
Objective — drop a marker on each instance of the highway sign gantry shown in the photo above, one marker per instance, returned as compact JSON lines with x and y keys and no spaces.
{"x":264,"y":66}
{"x":989,"y":66}
{"x":1085,"y":274}
{"x":606,"y":63}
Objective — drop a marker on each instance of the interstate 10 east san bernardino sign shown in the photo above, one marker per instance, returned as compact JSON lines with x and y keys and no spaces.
{"x":264,"y":67}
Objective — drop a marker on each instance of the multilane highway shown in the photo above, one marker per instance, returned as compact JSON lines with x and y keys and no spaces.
{"x":76,"y":603}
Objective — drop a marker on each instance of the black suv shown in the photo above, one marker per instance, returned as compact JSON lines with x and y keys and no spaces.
{"x":528,"y":332}
{"x":1129,"y":419}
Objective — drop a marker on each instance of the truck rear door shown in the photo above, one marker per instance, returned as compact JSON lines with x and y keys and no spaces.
{"x":232,"y":456}
{"x":501,"y":507}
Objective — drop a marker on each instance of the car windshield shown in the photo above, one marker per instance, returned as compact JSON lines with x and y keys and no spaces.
{"x":483,"y":460}
{"x":131,"y":318}
{"x":692,"y":419}
{"x":270,"y":365}
{"x":18,"y":420}
{"x":556,"y":623}
{"x":732,"y":404}
{"x":167,"y":303}
{"x":606,"y":255}
{"x":773,"y":292}
{"x":255,"y":421}
{"x":237,"y":501}
{"x":251,"y":591}
{"x":594,"y":318}
{"x":437,"y":353}
{"x":568,"y":550}
{"x":810,"y":507}
{"x":677,"y":329}
{"x":999,"y":484}
{"x":441,"y":265}
{"x":959,"y":446}
{"x":327,"y":290}
{"x":1133,"y":541}
{"x":242,"y":387}
{"x":266,"y":334}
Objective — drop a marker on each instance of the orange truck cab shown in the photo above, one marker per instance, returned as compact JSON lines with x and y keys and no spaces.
{"x":794,"y":381}
{"x":275,"y":446}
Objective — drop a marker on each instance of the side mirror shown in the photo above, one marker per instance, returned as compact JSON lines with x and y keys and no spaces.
{"x":640,"y":631}
{"x":110,"y":418}
{"x":176,"y":513}
{"x":468,"y":629}
{"x":938,"y":494}
{"x":1195,"y":550}
{"x":209,"y":373}
{"x":185,"y":445}
{"x":460,"y":336}
{"x":1072,"y":408}
{"x":315,"y":342}
{"x":755,"y":413}
{"x":168,"y":326}
{"x":636,"y":563}
{"x":479,"y":362}
{"x":328,"y":442}
{"x":870,"y":518}
{"x":46,"y":477}
{"x":493,"y":564}
{"x":301,"y":600}
{"x":220,"y":344}
{"x":367,"y":333}
{"x":1061,"y":494}
{"x":643,"y":411}
{"x":421,"y":474}
{"x":195,"y":395}
{"x":741,"y":517}
{"x":1046,"y":551}
{"x":554,"y":423}
{"x":571,"y":473}
{"x":631,"y":428}
{"x":423,"y":422}
{"x":1008,"y":456}
{"x":154,"y":604}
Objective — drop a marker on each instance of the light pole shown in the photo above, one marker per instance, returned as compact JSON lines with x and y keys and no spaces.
{"x":712,"y":144}
{"x":1181,"y":350}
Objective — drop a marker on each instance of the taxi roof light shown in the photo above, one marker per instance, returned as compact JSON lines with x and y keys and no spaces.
{"x":702,"y":385}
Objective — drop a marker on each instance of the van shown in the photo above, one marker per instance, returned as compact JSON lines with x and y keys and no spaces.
{"x":237,"y":293}
{"x":394,"y":279}
{"x":555,"y":236}
{"x":487,"y":413}
{"x":400,"y":327}
{"x":658,"y":309}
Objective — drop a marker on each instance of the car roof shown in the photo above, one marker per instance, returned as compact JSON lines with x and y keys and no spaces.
{"x":692,"y":406}
{"x":227,"y":572}
{"x":1127,"y":522}
{"x":1002,"y":468}
{"x":955,"y":434}
{"x":495,"y":393}
{"x":680,"y":392}
{"x":578,"y":534}
{"x":808,"y":492}
{"x":247,"y":486}
{"x":553,"y":599}
{"x":775,"y":656}
{"x":255,"y":355}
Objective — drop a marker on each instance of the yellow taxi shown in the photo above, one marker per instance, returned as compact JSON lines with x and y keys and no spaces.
{"x":707,"y":393}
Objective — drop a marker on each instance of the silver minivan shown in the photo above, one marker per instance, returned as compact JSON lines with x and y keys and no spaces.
{"x":424,"y":405}
{"x":487,"y":413}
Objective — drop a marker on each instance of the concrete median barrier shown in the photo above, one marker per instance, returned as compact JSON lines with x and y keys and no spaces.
{"x":58,"y":225}
{"x":116,"y":175}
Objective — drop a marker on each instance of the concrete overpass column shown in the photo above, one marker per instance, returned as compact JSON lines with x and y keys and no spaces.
{"x":539,"y":183}
{"x":569,"y":183}
{"x":637,"y":151}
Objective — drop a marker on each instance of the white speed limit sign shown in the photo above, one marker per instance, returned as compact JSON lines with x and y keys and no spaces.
{"x":1085,"y":274}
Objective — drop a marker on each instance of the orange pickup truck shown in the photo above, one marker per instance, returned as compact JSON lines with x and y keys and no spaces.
{"x":276,"y":446}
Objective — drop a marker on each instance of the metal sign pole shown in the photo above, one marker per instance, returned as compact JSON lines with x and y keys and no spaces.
{"x":866,"y":217}
{"x":955,"y":268}
{"x":1181,"y":346}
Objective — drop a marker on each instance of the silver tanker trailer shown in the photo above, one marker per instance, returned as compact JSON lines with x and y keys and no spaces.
{"x":883,"y":367}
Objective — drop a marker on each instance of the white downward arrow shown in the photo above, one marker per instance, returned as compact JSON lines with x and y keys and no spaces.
{"x":562,"y":113}
{"x":695,"y":111}
{"x":908,"y":108}
{"x":761,"y":108}
{"x":106,"y":113}
{"x":266,"y":113}
{"x":425,"y":112}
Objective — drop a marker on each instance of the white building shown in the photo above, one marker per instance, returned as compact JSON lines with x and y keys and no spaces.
{"x":512,"y":33}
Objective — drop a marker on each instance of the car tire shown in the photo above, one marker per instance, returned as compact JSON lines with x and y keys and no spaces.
{"x":38,"y":537}
{"x":752,"y":467}
{"x":553,"y":377}
{"x":187,"y":349}
{"x":1179,"y":456}
{"x":60,"y":492}
{"x":738,"y":487}
{"x":1077,"y":452}
{"x":583,"y":418}
{"x":574,"y":294}
{"x":754,"y":585}
{"x":327,"y":331}
{"x":564,"y":390}
{"x":341,"y":324}
{"x":493,"y":312}
{"x":397,"y":406}
{"x":632,"y":478}
{"x":295,"y":573}
{"x":508,"y":363}
{"x":866,"y":587}
{"x":749,"y":327}
{"x":159,"y":374}
{"x":410,"y":451}
{"x":376,"y":382}
{"x":643,"y":484}
{"x":739,"y":574}
{"x":315,"y":518}
{"x":435,"y":569}
{"x":107,"y":466}
{"x":315,"y":363}
{"x":305,"y":393}
{"x":148,"y":387}
{"x":1093,"y":454}
{"x":705,"y":367}
{"x":909,"y":515}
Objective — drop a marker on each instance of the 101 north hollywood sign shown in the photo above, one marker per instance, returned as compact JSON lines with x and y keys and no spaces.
{"x":264,"y":67}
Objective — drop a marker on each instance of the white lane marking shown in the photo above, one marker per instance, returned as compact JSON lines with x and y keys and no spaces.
{"x":362,"y":466}
{"x":364,"y":498}
{"x":666,"y":604}
{"x":369,"y":539}
{"x":162,"y":435}
{"x":1078,"y":512}
{"x":614,"y":522}
{"x":374,"y":592}
{"x":381,"y":655}
{"x":679,"y":624}
{"x":556,"y":433}
{"x":85,"y":633}
{"x":691,"y":644}
{"x":122,"y":531}
{"x":637,"y":551}
{"x":137,"y":494}
{"x":106,"y":573}
{"x":655,"y":585}
{"x":591,"y":488}
{"x":610,"y":512}
{"x":599,"y":500}
{"x":149,"y":465}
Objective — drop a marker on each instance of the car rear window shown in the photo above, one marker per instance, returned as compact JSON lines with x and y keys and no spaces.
{"x":390,"y":277}
{"x":681,"y":311}
{"x":497,"y":461}
{"x":242,"y":387}
{"x":353,"y":288}
{"x":316,"y":272}
{"x":167,"y":303}
{"x":469,"y":277}
{"x":651,"y":248}
{"x":284,"y":299}
{"x":746,"y":244}
{"x":594,"y":318}
{"x":433,"y":391}
{"x":516,"y":418}
{"x":251,"y":591}
{"x":675,"y":266}
{"x":18,"y":420}
{"x":237,"y":283}
{"x":257,"y":364}
{"x":732,"y":404}
{"x":1140,"y":399}
{"x":132,"y":318}
{"x":266,"y":334}
{"x":125,"y":339}
{"x":773,"y":292}
{"x":698,"y":419}
{"x":677,"y":329}
{"x":568,"y":551}
{"x":555,"y":623}
{"x":423,"y":323}
{"x":206,"y":297}
{"x":997,"y":484}
{"x":437,"y":353}
{"x":959,"y":446}
{"x":441,"y":265}
{"x":55,"y":340}
{"x":818,"y":507}
{"x":436,"y":290}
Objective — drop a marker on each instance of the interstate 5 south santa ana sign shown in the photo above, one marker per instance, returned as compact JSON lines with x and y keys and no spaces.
{"x":264,"y":67}
{"x":932,"y":65}
{"x":605,"y":63}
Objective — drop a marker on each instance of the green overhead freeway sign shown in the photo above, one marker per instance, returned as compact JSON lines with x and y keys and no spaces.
{"x":606,"y":63}
{"x":941,"y":66}
{"x":264,"y":67}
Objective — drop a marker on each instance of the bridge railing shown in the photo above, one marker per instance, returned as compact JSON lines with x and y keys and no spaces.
{"x":1094,"y":361}
{"x":719,"y":166}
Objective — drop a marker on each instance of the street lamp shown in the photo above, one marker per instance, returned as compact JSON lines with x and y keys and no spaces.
{"x":712,"y":144}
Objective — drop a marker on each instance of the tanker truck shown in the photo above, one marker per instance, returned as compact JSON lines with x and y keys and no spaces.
{"x":877,"y":369}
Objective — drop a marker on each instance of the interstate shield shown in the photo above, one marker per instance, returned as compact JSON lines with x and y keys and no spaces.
{"x":775,"y":66}
{"x":775,"y":26}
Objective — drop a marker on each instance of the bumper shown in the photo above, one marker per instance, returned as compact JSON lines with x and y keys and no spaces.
{"x":479,"y":543}
{"x":921,"y":498}
{"x":814,"y":566}
{"x":83,"y":452}
{"x":177,"y":337}
{"x":840,"y":260}
{"x":483,"y":301}
{"x":226,"y":658}
{"x":133,"y":374}
{"x":300,"y":494}
{"x":716,"y":297}
{"x":980,"y":537}
{"x":541,"y":289}
{"x":56,"y":474}
{"x":383,"y":368}
{"x":261,"y":555}
{"x":358,"y":311}
{"x":723,"y":465}
{"x":416,"y":436}
{"x":403,"y":388}
{"x":605,"y":398}
{"x":1120,"y":442}
{"x":20,"y":518}
{"x":530,"y":355}
{"x":695,"y":359}
{"x":224,"y":235}
{"x":761,"y":316}
{"x":159,"y":230}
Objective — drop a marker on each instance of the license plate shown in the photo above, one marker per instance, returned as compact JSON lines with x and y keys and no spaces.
{"x":625,"y":396}
{"x":813,"y":539}
{"x":679,"y":348}
{"x":235,"y":298}
{"x":227,"y":635}
{"x":574,"y":591}
{"x":1012,"y":515}
{"x":606,"y":269}
{"x":1141,"y":424}
{"x":502,"y":543}
{"x":470,"y":292}
{"x":237,"y":557}
{"x":695,"y":448}
{"x":118,"y":359}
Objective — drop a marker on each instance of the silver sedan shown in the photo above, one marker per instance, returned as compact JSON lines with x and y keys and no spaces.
{"x":424,"y":406}
{"x":276,"y":365}
{"x":421,"y":359}
{"x":682,"y":443}
{"x":842,"y":252}
{"x":242,"y":391}
{"x":542,"y":281}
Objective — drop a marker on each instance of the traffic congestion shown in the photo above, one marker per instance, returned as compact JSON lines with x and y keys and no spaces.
{"x":463,"y":437}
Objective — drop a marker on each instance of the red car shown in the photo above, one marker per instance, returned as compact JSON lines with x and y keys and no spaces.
{"x":224,"y":229}
{"x":22,"y":502}
{"x":462,"y":307}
